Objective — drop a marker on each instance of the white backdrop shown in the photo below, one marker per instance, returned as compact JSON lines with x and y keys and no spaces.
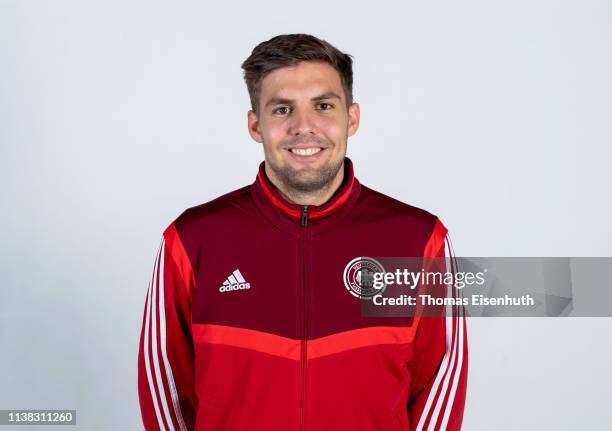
{"x":116,"y":116}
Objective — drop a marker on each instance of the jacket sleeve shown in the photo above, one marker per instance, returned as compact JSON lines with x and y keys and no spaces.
{"x":440,"y":360}
{"x":166,"y":355}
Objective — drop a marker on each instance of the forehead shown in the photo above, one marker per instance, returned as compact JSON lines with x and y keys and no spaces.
{"x":304,"y":77}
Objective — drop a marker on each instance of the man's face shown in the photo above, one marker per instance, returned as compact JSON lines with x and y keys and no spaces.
{"x":304,"y":124}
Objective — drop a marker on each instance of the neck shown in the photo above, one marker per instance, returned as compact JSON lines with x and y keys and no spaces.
{"x":316,"y":197}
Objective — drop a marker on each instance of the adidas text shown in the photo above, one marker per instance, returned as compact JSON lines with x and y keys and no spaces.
{"x":237,"y":286}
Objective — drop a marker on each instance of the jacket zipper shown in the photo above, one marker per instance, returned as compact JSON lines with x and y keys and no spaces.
{"x":305,"y":215}
{"x":304,"y":342}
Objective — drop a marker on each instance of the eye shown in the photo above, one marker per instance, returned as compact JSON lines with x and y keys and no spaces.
{"x":326,"y":106}
{"x":276,"y":111}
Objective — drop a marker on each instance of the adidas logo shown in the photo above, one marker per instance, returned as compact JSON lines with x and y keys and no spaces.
{"x":234,"y":282}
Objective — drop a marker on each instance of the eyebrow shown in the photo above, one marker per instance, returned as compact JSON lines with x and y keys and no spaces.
{"x":281,"y":100}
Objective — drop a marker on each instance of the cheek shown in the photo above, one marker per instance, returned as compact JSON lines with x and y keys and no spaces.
{"x":333,"y":128}
{"x":273,"y":134}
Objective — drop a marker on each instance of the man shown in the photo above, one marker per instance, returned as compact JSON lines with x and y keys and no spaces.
{"x":248,"y":324}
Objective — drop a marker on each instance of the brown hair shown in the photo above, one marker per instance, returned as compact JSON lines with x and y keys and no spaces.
{"x":289,"y":49}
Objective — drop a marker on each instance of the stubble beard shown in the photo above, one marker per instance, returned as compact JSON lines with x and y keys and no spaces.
{"x":306,"y":180}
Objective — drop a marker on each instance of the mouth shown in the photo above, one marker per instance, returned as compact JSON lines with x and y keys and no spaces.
{"x":306,"y":153}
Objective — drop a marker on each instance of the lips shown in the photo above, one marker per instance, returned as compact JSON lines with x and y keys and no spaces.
{"x":309,"y":151}
{"x":303,"y":153}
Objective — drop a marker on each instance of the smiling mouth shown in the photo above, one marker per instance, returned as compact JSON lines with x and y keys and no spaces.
{"x":306,"y":151}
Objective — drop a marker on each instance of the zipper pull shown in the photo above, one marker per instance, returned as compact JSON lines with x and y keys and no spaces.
{"x":305,"y":215}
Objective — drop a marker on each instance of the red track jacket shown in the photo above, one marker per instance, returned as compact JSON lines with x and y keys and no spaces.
{"x":248,"y":324}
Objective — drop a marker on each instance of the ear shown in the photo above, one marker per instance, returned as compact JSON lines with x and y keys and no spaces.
{"x":353,"y":118}
{"x":253,"y":126}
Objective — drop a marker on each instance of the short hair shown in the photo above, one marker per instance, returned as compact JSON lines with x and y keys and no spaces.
{"x":290,"y":49}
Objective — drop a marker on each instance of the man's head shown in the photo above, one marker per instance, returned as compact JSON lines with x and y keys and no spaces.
{"x":302,"y":109}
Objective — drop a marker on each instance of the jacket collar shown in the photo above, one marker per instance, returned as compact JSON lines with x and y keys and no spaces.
{"x":272,"y":202}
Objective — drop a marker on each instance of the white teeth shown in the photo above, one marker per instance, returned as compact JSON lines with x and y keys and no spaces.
{"x":305,"y":151}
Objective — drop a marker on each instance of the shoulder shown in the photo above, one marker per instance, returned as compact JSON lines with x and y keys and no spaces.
{"x":379,"y":205}
{"x":222,"y":208}
{"x":422,"y":226}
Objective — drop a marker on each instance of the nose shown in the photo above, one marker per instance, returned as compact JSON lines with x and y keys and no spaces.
{"x":302,"y":123}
